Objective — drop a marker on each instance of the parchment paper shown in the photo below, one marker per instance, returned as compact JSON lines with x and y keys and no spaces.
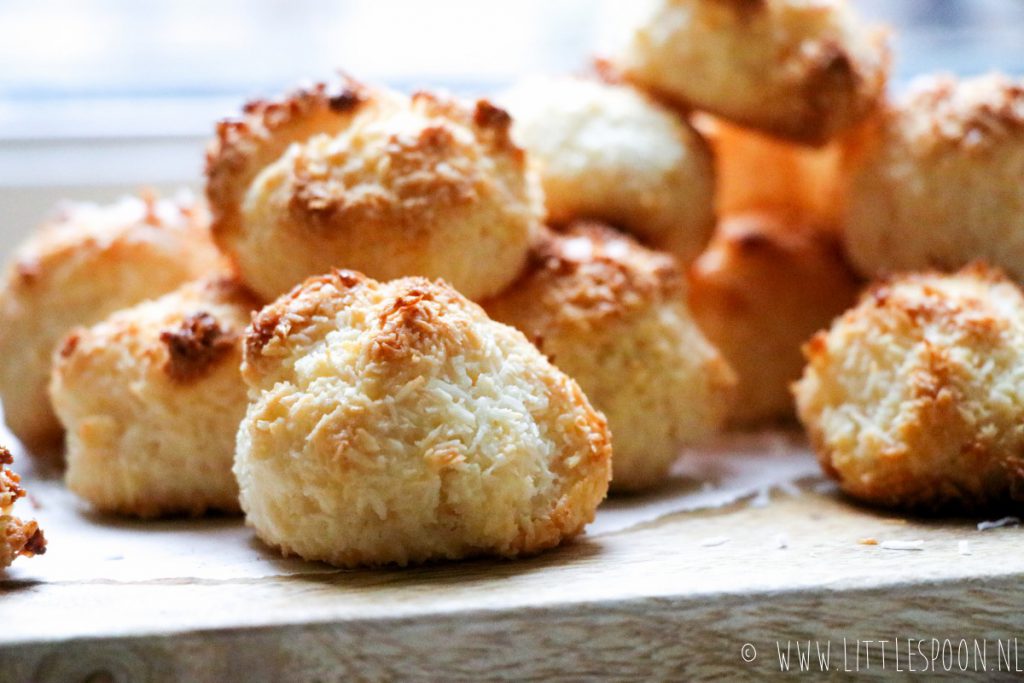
{"x":84,"y":546}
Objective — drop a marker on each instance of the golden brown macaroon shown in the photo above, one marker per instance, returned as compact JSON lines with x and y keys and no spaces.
{"x":83,"y":264}
{"x":939,"y":180}
{"x":375,"y":181}
{"x":799,"y":69}
{"x":758,"y":172}
{"x":765,"y":285}
{"x":607,"y":152}
{"x":151,"y":399}
{"x":612,"y":315}
{"x":396,"y":423}
{"x":912,"y":399}
{"x":17,"y":538}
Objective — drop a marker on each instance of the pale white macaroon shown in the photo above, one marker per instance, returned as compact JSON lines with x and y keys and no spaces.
{"x":607,"y":152}
{"x":806,"y":70}
{"x":396,"y":423}
{"x":912,"y":399}
{"x":354,"y":177}
{"x":84,"y":263}
{"x":151,"y":399}
{"x":939,"y":179}
{"x":613,"y":315}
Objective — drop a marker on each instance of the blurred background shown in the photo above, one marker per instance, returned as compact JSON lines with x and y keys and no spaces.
{"x":99,"y":97}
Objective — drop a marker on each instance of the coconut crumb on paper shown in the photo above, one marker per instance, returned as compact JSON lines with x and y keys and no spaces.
{"x":964,"y":547}
{"x":999,"y":523}
{"x":733,"y":468}
{"x":781,"y":541}
{"x":714,"y":541}
{"x":902,"y":545}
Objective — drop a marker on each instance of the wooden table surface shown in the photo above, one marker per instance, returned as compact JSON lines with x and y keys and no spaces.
{"x":746,"y":550}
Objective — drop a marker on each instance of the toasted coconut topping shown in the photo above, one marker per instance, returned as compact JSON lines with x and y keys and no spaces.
{"x":10,"y":483}
{"x":17,"y":538}
{"x":284,"y":316}
{"x":414,"y":322}
{"x":599,"y":272}
{"x":487,"y":115}
{"x":195,"y":346}
{"x":244,"y":145}
{"x":268,"y":115}
{"x":971,"y":114}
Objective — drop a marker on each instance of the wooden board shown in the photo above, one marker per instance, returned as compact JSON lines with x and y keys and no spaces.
{"x":748,"y":547}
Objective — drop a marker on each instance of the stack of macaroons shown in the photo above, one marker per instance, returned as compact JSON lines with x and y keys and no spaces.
{"x":413,"y":327}
{"x":420,"y":428}
{"x":911,"y":398}
{"x":777,"y":87}
{"x":822,"y":181}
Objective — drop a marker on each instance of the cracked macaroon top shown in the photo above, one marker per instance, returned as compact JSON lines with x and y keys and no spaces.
{"x":589,"y":275}
{"x":465,"y":439}
{"x":181,"y":336}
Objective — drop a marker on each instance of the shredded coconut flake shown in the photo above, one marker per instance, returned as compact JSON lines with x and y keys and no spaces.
{"x":714,"y":541}
{"x":964,"y":547}
{"x":902,"y":545}
{"x":999,"y":523}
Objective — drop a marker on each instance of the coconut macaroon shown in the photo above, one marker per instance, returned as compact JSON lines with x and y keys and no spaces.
{"x":17,"y":538}
{"x":396,"y":423}
{"x":609,"y":153}
{"x":375,"y":181}
{"x":767,"y":283}
{"x":151,"y":399}
{"x":800,"y":69}
{"x":758,"y":172}
{"x":83,"y":264}
{"x":612,"y":315}
{"x":938,"y":181}
{"x":912,"y":399}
